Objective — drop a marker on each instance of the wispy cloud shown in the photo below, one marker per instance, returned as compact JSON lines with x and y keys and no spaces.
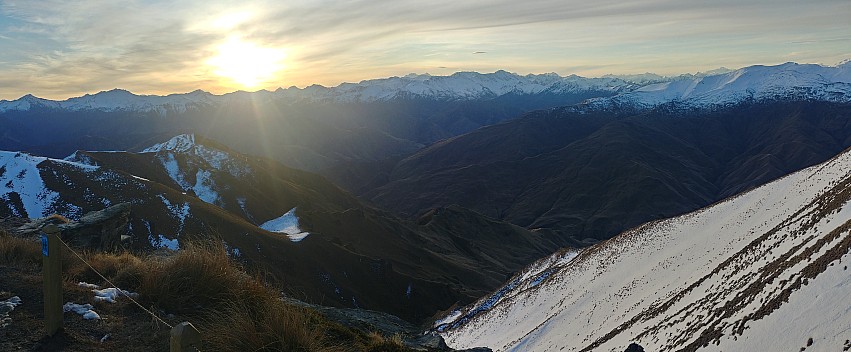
{"x":59,"y":49}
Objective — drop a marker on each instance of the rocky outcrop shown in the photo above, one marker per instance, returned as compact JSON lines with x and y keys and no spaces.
{"x":105,"y":230}
{"x":634,"y":347}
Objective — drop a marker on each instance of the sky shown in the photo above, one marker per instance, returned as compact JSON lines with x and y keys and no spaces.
{"x":62,"y":49}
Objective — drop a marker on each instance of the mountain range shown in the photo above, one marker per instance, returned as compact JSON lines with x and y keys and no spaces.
{"x":721,"y":86}
{"x":325,"y":129}
{"x":418,"y":194}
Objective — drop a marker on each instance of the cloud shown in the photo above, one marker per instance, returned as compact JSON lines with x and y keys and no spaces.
{"x":60,"y":48}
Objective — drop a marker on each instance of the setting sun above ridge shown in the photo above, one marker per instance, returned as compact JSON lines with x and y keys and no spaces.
{"x":246,"y":63}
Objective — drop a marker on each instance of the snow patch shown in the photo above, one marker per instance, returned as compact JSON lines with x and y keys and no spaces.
{"x":163,"y":242}
{"x":87,"y":285}
{"x":205,"y":187}
{"x":172,"y":168}
{"x":7,"y":307}
{"x":111,"y":294}
{"x":86,"y":310}
{"x":180,"y":212}
{"x":286,"y":224}
{"x":108,"y":294}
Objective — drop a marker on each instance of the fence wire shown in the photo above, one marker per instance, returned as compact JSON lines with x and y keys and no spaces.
{"x":122,"y":292}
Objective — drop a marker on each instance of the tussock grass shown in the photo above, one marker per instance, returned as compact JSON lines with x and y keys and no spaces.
{"x":234,"y":311}
{"x":19,"y":252}
{"x":266,"y":325}
{"x":200,"y":276}
{"x":123,"y":269}
{"x":379,"y":343}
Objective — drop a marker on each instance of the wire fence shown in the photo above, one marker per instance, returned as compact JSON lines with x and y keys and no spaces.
{"x":156,"y":318}
{"x":119,"y":290}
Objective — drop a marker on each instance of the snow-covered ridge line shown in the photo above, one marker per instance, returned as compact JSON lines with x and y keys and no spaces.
{"x":717,"y":87}
{"x":789,"y":81}
{"x":830,"y":82}
{"x":459,"y":86}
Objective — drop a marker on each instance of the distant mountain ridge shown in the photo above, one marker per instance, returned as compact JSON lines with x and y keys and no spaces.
{"x":722,"y":86}
{"x":789,"y":81}
{"x":314,"y":128}
{"x":457,"y":87}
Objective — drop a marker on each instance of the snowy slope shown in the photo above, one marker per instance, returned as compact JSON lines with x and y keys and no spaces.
{"x":766,"y":270}
{"x":21,"y":183}
{"x":195,"y":170}
{"x":786,"y":81}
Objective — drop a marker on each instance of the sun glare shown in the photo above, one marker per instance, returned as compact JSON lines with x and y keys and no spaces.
{"x":245,"y":63}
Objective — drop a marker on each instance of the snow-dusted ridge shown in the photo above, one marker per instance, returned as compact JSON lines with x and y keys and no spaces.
{"x":197,"y":175}
{"x":20,"y":178}
{"x":459,"y":86}
{"x":808,"y":81}
{"x":786,"y":81}
{"x":721,"y":86}
{"x":766,"y":270}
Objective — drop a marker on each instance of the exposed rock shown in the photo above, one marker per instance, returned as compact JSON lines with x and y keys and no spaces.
{"x":104,"y":230}
{"x":634,"y":347}
{"x":430,"y":341}
{"x":387,"y":324}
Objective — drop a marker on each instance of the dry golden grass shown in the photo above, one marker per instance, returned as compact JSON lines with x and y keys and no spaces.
{"x":19,"y":252}
{"x":379,"y":343}
{"x":266,"y":325}
{"x":200,"y":276}
{"x":123,"y":269}
{"x":233,"y":310}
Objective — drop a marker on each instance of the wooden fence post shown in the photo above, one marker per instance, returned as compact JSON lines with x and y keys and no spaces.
{"x":52,"y":276}
{"x":185,"y":338}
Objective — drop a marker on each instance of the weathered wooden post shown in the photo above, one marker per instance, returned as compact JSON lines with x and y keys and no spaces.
{"x":185,"y":338}
{"x":51,"y":252}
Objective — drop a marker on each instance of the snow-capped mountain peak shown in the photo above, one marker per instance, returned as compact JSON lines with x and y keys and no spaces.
{"x":26,"y":102}
{"x":179,"y":144}
{"x":193,"y":165}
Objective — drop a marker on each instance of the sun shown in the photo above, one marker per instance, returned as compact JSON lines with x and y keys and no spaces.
{"x":246,"y":63}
